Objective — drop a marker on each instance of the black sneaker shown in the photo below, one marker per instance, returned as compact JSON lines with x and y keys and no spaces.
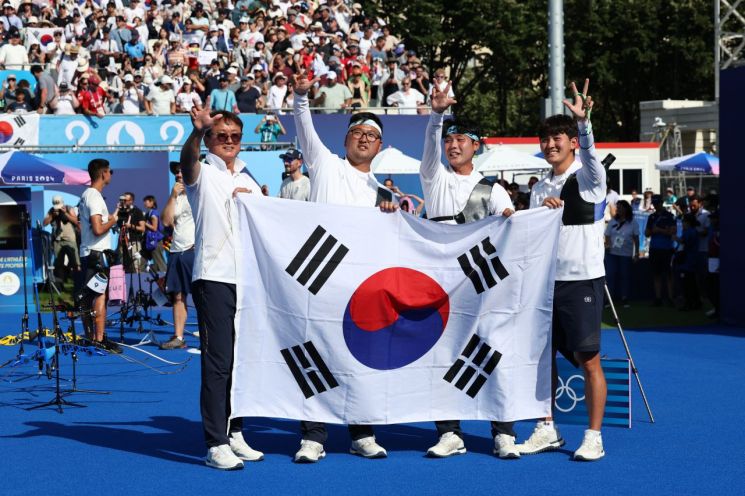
{"x":110,"y":346}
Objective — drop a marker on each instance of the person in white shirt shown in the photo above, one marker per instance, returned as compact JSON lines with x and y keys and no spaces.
{"x":457,"y":193}
{"x":407,"y":98}
{"x":177,"y":214}
{"x":578,"y":187}
{"x":65,"y":102}
{"x":296,"y":186}
{"x":161,"y":100}
{"x":277,"y":93}
{"x":131,"y":97}
{"x":95,"y":224}
{"x":13,"y":55}
{"x":338,"y":181}
{"x":211,"y":188}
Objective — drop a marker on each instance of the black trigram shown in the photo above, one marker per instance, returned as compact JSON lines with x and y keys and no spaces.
{"x":483,"y":269}
{"x":19,"y":142}
{"x":317,"y":263}
{"x":308,"y":369}
{"x":478,"y":359}
{"x":20,"y":121}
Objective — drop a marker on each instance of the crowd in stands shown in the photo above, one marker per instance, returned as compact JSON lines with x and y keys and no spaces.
{"x":167,"y":56}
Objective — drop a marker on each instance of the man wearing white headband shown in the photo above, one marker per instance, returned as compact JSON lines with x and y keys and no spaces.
{"x":457,"y":194}
{"x":340,"y":181}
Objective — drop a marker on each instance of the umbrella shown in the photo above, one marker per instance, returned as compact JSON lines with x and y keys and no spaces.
{"x":23,"y":168}
{"x":393,"y":161}
{"x":698,"y":163}
{"x":503,"y":158}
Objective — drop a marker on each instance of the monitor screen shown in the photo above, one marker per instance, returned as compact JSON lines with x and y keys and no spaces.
{"x":11,"y":227}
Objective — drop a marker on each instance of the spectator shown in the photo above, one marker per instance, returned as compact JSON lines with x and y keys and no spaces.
{"x":13,"y":55}
{"x":269,"y":128}
{"x":91,"y":97}
{"x":248,"y":95}
{"x":611,"y":198}
{"x":132,"y":98}
{"x":46,"y":90}
{"x":685,"y":262}
{"x":333,"y":96}
{"x":161,"y":100}
{"x":295,"y":186}
{"x":660,"y":228}
{"x":68,"y":65}
{"x":135,"y":50}
{"x":359,"y":86}
{"x":670,"y":198}
{"x":277,"y":92}
{"x":622,"y":243}
{"x":421,"y":81}
{"x":391,"y":78}
{"x":20,"y":106}
{"x":187,"y":99}
{"x":223,"y":98}
{"x":9,"y":18}
{"x":407,"y":99}
{"x":65,"y":103}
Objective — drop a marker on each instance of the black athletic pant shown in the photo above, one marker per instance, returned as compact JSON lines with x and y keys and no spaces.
{"x":216,"y":305}
{"x":444,"y":426}
{"x":316,"y":431}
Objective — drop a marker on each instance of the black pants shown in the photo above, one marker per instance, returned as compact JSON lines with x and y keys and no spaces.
{"x":216,"y":305}
{"x":316,"y":431}
{"x":444,"y":426}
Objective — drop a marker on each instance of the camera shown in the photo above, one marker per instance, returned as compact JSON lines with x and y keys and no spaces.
{"x":122,"y":200}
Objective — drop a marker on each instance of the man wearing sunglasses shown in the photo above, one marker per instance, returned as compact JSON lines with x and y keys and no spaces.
{"x":211,"y":187}
{"x":340,"y":181}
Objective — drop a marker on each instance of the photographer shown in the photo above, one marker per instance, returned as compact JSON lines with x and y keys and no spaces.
{"x":64,"y":241}
{"x":95,"y":224}
{"x":65,"y":103}
{"x":131,"y":222}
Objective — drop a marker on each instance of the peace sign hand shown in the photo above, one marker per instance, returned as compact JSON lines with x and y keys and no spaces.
{"x":440,"y":99}
{"x":582,"y":105}
{"x":201,"y":119}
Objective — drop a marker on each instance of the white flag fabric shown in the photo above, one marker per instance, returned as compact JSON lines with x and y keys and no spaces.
{"x":351,"y":315}
{"x":19,"y":129}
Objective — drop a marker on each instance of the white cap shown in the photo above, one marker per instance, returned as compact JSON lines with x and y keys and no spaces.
{"x":232,"y":70}
{"x":331,"y":75}
{"x":174,"y":37}
{"x":57,"y":202}
{"x":165,"y":79}
{"x":129,"y":78}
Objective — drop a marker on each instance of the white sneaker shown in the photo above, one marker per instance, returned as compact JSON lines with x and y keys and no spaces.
{"x":309,"y":452}
{"x":504,"y":447}
{"x":223,"y":458}
{"x":545,"y":437}
{"x":368,"y":448}
{"x":242,"y":450}
{"x":591,"y":448}
{"x":449,"y":444}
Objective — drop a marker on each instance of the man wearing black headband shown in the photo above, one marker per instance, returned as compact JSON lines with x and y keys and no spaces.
{"x":340,"y":181}
{"x":457,"y":194}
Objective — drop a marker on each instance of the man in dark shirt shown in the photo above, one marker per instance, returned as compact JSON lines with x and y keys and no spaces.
{"x":661,"y":227}
{"x":247,"y":95}
{"x":131,"y":222}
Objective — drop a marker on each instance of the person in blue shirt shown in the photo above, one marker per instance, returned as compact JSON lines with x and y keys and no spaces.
{"x":686,"y":262}
{"x":223,"y":98}
{"x":135,"y":50}
{"x":269,"y":128}
{"x":661,"y":228}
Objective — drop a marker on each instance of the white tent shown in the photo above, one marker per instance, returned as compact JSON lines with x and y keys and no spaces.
{"x":393,"y":161}
{"x":505,"y":159}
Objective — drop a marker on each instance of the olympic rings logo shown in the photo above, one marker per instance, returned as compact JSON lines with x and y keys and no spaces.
{"x":571,"y":394}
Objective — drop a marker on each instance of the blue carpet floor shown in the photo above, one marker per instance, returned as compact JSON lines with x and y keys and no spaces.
{"x":145,"y":437}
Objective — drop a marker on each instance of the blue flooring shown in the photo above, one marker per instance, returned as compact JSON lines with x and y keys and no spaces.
{"x":145,"y":437}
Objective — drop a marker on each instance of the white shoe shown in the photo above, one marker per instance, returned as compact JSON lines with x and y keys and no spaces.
{"x":591,"y":448}
{"x":504,"y":447}
{"x":223,"y":458}
{"x":450,"y":444}
{"x":545,"y":437}
{"x":242,"y":450}
{"x":309,"y":452}
{"x":368,"y":448}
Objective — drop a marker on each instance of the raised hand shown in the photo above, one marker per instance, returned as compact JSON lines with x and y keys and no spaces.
{"x":201,"y":119}
{"x":582,"y":104}
{"x":440,"y":99}
{"x":302,"y":84}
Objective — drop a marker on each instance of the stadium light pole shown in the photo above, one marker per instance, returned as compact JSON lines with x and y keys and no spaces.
{"x":556,"y":55}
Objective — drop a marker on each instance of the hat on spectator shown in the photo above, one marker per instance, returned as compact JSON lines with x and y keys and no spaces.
{"x":33,"y":20}
{"x":317,"y":25}
{"x":213,"y":27}
{"x":257,"y":67}
{"x":334,"y":60}
{"x":670,"y":190}
{"x":57,"y":202}
{"x":331,"y":75}
{"x":399,"y":49}
{"x":112,"y":69}
{"x":356,"y":6}
{"x":138,"y":73}
{"x":279,"y":75}
{"x":104,"y":86}
{"x":82,"y":65}
{"x":174,"y":37}
{"x":7,"y":5}
{"x":291,"y":12}
{"x":290,"y":51}
{"x":243,"y":20}
{"x":222,"y":78}
{"x":232,"y":70}
{"x":165,"y":79}
{"x":292,"y":154}
{"x":64,"y":86}
{"x":129,"y":78}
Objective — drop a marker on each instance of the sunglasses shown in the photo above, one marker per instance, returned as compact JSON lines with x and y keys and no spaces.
{"x":223,"y":137}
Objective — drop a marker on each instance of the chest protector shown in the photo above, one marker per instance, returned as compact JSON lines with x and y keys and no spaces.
{"x":577,"y":211}
{"x":477,"y":206}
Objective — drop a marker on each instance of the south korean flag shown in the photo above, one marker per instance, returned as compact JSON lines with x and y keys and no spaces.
{"x":19,"y":129}
{"x":351,"y":315}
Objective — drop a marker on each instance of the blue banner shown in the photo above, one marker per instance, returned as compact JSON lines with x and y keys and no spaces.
{"x":570,"y":407}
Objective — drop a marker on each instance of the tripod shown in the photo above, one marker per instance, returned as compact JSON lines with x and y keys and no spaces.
{"x":628,"y":353}
{"x":71,"y":316}
{"x":58,"y":401}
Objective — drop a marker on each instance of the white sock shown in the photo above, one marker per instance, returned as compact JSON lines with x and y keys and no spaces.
{"x":549,"y":423}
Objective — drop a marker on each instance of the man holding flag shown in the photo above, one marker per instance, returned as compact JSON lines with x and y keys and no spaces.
{"x":457,"y":194}
{"x":340,"y":181}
